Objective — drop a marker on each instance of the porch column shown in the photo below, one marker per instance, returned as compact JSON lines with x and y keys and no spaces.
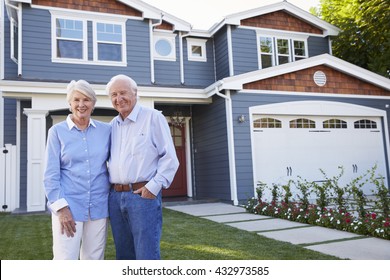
{"x":36,"y":141}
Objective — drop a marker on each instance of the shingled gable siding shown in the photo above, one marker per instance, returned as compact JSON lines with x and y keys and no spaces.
{"x":100,"y":6}
{"x":302,"y":81}
{"x":281,"y":20}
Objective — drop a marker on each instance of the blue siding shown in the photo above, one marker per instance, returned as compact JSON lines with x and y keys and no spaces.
{"x":244,"y":44}
{"x":211,"y":151}
{"x":198,"y":73}
{"x":37,"y":53}
{"x":23,"y":156}
{"x":317,"y":46}
{"x":221,"y":54}
{"x":243,"y":153}
{"x":9,"y":121}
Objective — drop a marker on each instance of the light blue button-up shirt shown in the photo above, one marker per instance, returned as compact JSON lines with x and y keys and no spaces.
{"x":76,"y":169}
{"x":142,"y":150}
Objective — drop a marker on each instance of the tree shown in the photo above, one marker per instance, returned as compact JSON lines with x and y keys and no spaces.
{"x":364,"y":39}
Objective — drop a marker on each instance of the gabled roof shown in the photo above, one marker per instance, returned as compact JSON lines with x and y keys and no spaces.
{"x":237,"y":82}
{"x":147,"y":11}
{"x":235,"y":19}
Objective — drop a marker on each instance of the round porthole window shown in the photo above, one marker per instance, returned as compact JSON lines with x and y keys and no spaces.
{"x":319,"y":78}
{"x":163,"y":47}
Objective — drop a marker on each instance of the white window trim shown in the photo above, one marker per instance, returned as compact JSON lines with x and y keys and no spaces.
{"x":277,"y":54}
{"x":54,"y":57}
{"x":196,"y":42}
{"x":272,"y":54}
{"x":95,"y":43}
{"x":280,"y":35}
{"x":171,"y":38}
{"x":92,"y":18}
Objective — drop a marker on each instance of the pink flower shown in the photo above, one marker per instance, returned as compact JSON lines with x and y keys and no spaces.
{"x":373,"y":216}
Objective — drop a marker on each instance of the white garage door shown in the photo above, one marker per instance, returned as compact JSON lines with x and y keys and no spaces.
{"x":288,"y":146}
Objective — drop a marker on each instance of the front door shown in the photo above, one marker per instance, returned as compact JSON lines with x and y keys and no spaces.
{"x":179,"y":184}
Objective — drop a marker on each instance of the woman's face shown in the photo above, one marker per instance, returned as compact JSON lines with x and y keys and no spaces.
{"x":81,"y":106}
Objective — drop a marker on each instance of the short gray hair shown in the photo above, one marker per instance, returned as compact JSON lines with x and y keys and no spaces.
{"x":81,"y":86}
{"x":131,"y":83}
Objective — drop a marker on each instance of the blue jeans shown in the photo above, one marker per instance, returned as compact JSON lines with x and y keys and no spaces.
{"x":136,"y":225}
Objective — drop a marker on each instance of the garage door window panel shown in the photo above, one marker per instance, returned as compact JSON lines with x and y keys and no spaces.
{"x":267,"y":123}
{"x":365,"y":124}
{"x":334,"y":124}
{"x":302,"y":123}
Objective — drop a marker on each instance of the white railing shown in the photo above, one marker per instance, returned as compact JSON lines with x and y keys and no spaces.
{"x":9,"y":187}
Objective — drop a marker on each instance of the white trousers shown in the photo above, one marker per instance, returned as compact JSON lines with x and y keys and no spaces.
{"x":88,"y":242}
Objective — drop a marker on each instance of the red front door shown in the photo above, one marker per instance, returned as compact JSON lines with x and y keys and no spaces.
{"x":179,"y":184}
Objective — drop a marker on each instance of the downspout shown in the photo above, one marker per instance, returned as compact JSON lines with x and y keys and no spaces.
{"x":182,"y":56}
{"x":230,"y":139}
{"x":151,"y":28}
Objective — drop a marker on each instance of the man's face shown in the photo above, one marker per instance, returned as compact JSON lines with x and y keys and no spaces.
{"x":123,"y":97}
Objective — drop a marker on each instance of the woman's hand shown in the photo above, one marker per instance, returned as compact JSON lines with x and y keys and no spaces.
{"x":68,"y":225}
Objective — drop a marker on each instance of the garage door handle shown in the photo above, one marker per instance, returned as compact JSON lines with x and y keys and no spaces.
{"x":354,"y":168}
{"x":289,"y":171}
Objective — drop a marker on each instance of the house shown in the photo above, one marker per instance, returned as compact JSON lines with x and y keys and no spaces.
{"x":257,"y":97}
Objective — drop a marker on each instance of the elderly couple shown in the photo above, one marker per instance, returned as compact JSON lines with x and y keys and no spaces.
{"x":96,"y":170}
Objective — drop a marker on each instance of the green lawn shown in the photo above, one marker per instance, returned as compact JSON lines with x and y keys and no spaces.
{"x":28,"y":237}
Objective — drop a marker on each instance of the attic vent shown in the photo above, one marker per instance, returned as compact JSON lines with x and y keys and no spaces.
{"x":319,"y":78}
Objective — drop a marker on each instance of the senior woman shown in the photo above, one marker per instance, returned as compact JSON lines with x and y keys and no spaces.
{"x":76,"y":178}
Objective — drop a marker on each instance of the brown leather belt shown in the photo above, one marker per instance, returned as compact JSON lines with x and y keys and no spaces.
{"x":128,"y":187}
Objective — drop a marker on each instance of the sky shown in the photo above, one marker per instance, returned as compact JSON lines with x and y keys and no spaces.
{"x":203,"y":14}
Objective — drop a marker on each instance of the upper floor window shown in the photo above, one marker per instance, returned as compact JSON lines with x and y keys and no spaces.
{"x":164,"y":46}
{"x":196,"y":49}
{"x":94,"y":40}
{"x":280,"y":50}
{"x":365,"y":124}
{"x":69,"y":39}
{"x":266,"y":52}
{"x":14,"y":40}
{"x":109,"y":42}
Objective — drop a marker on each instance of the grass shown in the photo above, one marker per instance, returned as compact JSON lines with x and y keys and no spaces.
{"x":28,"y":237}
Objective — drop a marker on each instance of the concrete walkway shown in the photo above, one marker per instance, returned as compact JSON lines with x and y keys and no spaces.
{"x":337,"y":243}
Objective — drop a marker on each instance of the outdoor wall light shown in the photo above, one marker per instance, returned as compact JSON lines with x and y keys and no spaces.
{"x":241,"y":119}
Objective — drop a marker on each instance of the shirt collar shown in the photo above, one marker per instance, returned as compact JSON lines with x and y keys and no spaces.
{"x":71,"y":124}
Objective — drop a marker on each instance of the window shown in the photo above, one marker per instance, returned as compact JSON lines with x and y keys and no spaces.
{"x":69,"y":37}
{"x":14,"y":40}
{"x":100,"y":40}
{"x":334,"y":123}
{"x":267,"y":123}
{"x":277,"y":50}
{"x":365,"y":124}
{"x":164,"y":46}
{"x":109,"y":42}
{"x":302,"y":123}
{"x":299,"y":50}
{"x":283,"y":51}
{"x":266,"y":52}
{"x":196,"y":49}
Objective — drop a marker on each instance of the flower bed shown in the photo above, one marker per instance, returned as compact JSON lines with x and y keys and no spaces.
{"x":342,"y":208}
